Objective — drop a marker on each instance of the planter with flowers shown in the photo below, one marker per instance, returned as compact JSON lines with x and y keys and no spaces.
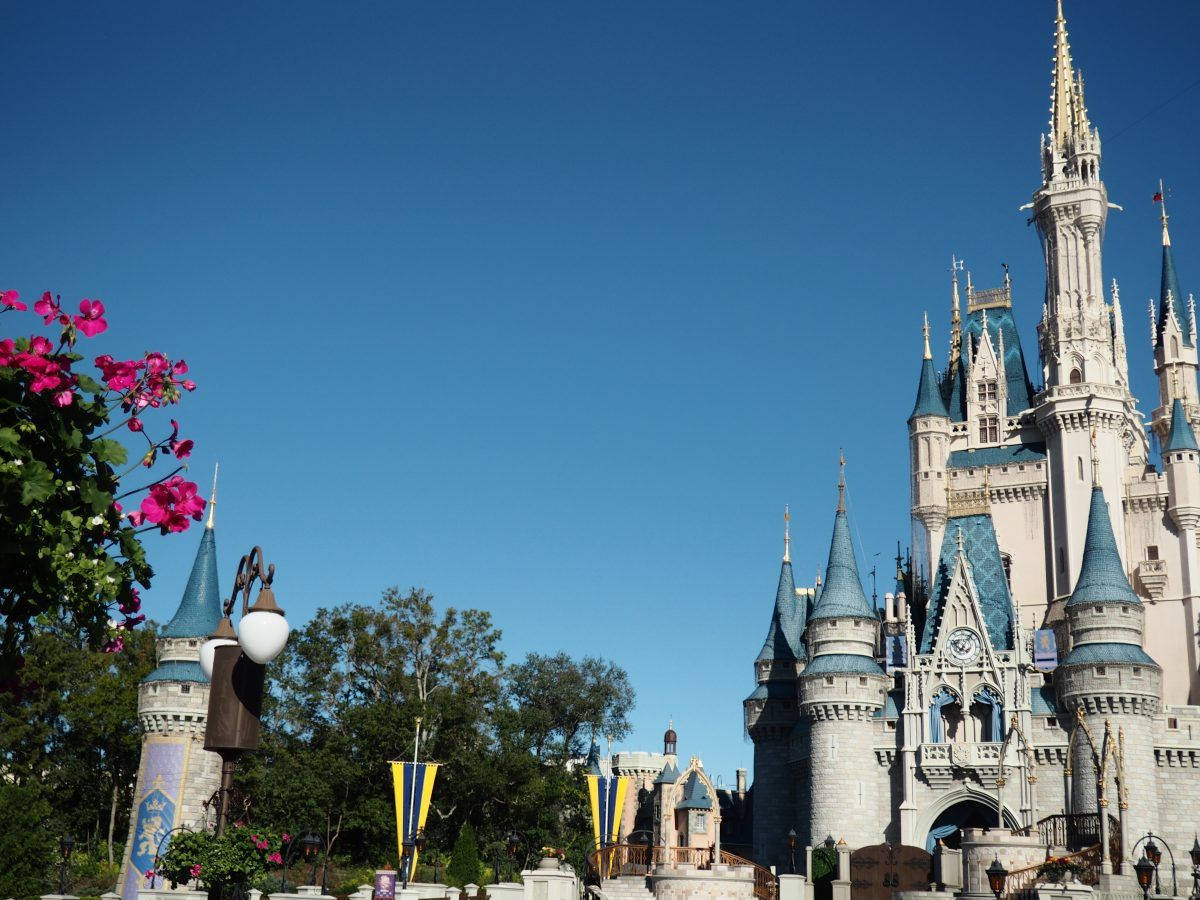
{"x":1060,"y":869}
{"x":227,"y":866}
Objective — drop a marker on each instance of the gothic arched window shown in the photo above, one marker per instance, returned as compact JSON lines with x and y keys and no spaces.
{"x":1076,"y":376}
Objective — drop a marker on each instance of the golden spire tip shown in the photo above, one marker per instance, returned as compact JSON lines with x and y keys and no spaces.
{"x":841,"y":481}
{"x":787,"y":536}
{"x":212,"y":500}
{"x":928,"y":354}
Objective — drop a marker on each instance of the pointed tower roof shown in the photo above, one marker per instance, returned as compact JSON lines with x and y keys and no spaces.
{"x":929,"y":392}
{"x":1067,"y":117}
{"x":200,"y":607}
{"x":592,"y":764}
{"x":1181,"y":436}
{"x":785,"y":635}
{"x":668,"y":775}
{"x":1101,"y":576}
{"x":1169,"y":285}
{"x":842,"y":594}
{"x":695,"y":794}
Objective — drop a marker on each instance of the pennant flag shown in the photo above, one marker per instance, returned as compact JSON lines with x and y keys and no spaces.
{"x":607,"y":793}
{"x":413,"y":784}
{"x":1158,"y":197}
{"x":1045,"y":650}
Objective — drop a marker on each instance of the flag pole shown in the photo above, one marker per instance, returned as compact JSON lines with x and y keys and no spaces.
{"x":412,"y":811}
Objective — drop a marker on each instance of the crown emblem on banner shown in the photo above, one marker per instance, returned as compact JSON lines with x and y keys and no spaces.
{"x":156,"y":804}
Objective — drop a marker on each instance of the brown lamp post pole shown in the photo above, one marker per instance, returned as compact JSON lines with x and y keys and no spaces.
{"x":237,"y":661}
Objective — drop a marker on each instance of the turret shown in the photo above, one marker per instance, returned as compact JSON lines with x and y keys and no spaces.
{"x":1174,"y":340}
{"x":929,"y":446}
{"x":840,"y":689}
{"x":1181,"y":463}
{"x":1107,"y":673}
{"x":771,"y":714}
{"x":177,"y":775}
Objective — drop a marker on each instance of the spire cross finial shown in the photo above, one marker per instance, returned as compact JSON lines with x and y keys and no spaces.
{"x":1162,"y":200}
{"x":841,"y":482}
{"x":787,"y":537}
{"x":928,"y":354}
{"x":1095,"y":460}
{"x":212,"y":501}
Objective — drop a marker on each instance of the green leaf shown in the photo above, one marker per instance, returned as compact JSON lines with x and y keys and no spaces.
{"x":10,"y":440}
{"x":90,"y":384}
{"x":109,"y":451}
{"x":37,"y":484}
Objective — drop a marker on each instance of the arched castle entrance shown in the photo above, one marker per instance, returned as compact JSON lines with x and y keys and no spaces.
{"x":967,"y":807}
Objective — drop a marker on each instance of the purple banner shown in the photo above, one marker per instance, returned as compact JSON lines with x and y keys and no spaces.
{"x":1045,"y":650}
{"x":154,"y":811}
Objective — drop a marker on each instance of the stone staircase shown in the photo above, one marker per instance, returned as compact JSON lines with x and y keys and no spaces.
{"x":627,"y":887}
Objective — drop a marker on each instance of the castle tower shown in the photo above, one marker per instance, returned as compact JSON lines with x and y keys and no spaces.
{"x":840,"y":689}
{"x":771,"y":715}
{"x":1109,"y":676}
{"x":177,"y":775}
{"x":1084,"y":384}
{"x":1174,"y":341}
{"x":929,"y":447}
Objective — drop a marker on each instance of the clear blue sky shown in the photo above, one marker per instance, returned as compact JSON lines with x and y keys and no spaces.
{"x":549,"y":308}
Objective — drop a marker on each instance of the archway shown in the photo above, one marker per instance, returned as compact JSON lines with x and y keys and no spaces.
{"x":966,"y":813}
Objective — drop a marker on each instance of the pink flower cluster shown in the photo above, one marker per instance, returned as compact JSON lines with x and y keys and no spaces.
{"x":169,"y":505}
{"x":151,"y":381}
{"x":90,"y":320}
{"x":50,"y":371}
{"x":259,"y":842}
{"x":195,"y":870}
{"x":275,"y":858}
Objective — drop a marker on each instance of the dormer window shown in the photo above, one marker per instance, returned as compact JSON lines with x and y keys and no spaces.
{"x":989,"y":430}
{"x":987,"y":392}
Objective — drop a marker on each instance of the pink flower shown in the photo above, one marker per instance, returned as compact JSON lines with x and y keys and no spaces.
{"x":136,"y":517}
{"x":150,"y":873}
{"x":170,"y":504}
{"x":180,"y":368}
{"x":195,"y":870}
{"x":156,"y":363}
{"x":133,"y":621}
{"x":188,"y":384}
{"x":135,"y":424}
{"x":117,"y":505}
{"x":11,"y":300}
{"x":8,"y":352}
{"x":64,"y":398}
{"x":40,"y":345}
{"x":133,"y":604}
{"x":92,"y":322}
{"x":287,"y":838}
{"x":182,"y":449}
{"x":275,"y":858}
{"x":116,"y":645}
{"x":119,"y":375}
{"x":48,"y":308}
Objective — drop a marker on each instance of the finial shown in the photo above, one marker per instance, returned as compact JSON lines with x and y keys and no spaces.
{"x":1007,"y":277}
{"x":958,"y":538}
{"x":970,"y":287}
{"x":1060,"y":12}
{"x":787,"y":537}
{"x":212,"y":500}
{"x":1095,"y":460}
{"x":1116,"y":292}
{"x":928,"y":355}
{"x":841,"y":507}
{"x":1161,"y":197}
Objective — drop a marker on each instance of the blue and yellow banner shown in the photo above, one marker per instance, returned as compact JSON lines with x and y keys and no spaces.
{"x":607,"y":793}
{"x":413,"y":783}
{"x":1045,"y":650}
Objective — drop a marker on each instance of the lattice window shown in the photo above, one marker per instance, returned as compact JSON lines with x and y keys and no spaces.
{"x":987,"y":392}
{"x":989,"y":430}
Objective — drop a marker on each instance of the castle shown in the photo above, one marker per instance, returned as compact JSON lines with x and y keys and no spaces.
{"x":1035,"y":511}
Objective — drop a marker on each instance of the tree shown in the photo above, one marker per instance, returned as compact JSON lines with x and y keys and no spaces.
{"x":557,"y":703}
{"x":464,"y":867}
{"x":70,"y":552}
{"x":27,"y":845}
{"x":69,"y":727}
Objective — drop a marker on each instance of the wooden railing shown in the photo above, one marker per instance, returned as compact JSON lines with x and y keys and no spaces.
{"x":616,"y":860}
{"x":1079,"y":831}
{"x":1018,"y":883}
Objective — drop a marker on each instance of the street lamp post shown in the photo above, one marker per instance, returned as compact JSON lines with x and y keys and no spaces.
{"x":412,"y":846}
{"x":791,"y":836}
{"x":234,"y":662}
{"x":996,"y":876}
{"x":1144,"y":870}
{"x":312,"y":846}
{"x":65,"y":845}
{"x":512,"y":846}
{"x":1153,"y":854}
{"x":1194,"y":853}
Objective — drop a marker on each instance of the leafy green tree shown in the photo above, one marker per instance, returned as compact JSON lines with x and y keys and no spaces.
{"x":27,"y":844}
{"x":464,"y":867}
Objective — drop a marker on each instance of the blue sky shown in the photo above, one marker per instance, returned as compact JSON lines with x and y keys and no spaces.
{"x":549,"y":308}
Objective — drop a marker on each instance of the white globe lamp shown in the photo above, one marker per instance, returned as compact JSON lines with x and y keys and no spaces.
{"x":262,"y":634}
{"x":208,"y":651}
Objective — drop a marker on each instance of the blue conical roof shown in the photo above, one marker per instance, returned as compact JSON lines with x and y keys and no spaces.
{"x":668,"y":775}
{"x":1181,"y":437}
{"x":592,"y":764}
{"x":199,"y":610}
{"x":929,"y":394}
{"x":842,"y":594}
{"x":784,"y":638}
{"x":1170,"y":283}
{"x":1101,"y":576}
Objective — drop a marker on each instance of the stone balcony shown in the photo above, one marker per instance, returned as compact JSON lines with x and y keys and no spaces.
{"x":1152,"y":573}
{"x":941,"y":763}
